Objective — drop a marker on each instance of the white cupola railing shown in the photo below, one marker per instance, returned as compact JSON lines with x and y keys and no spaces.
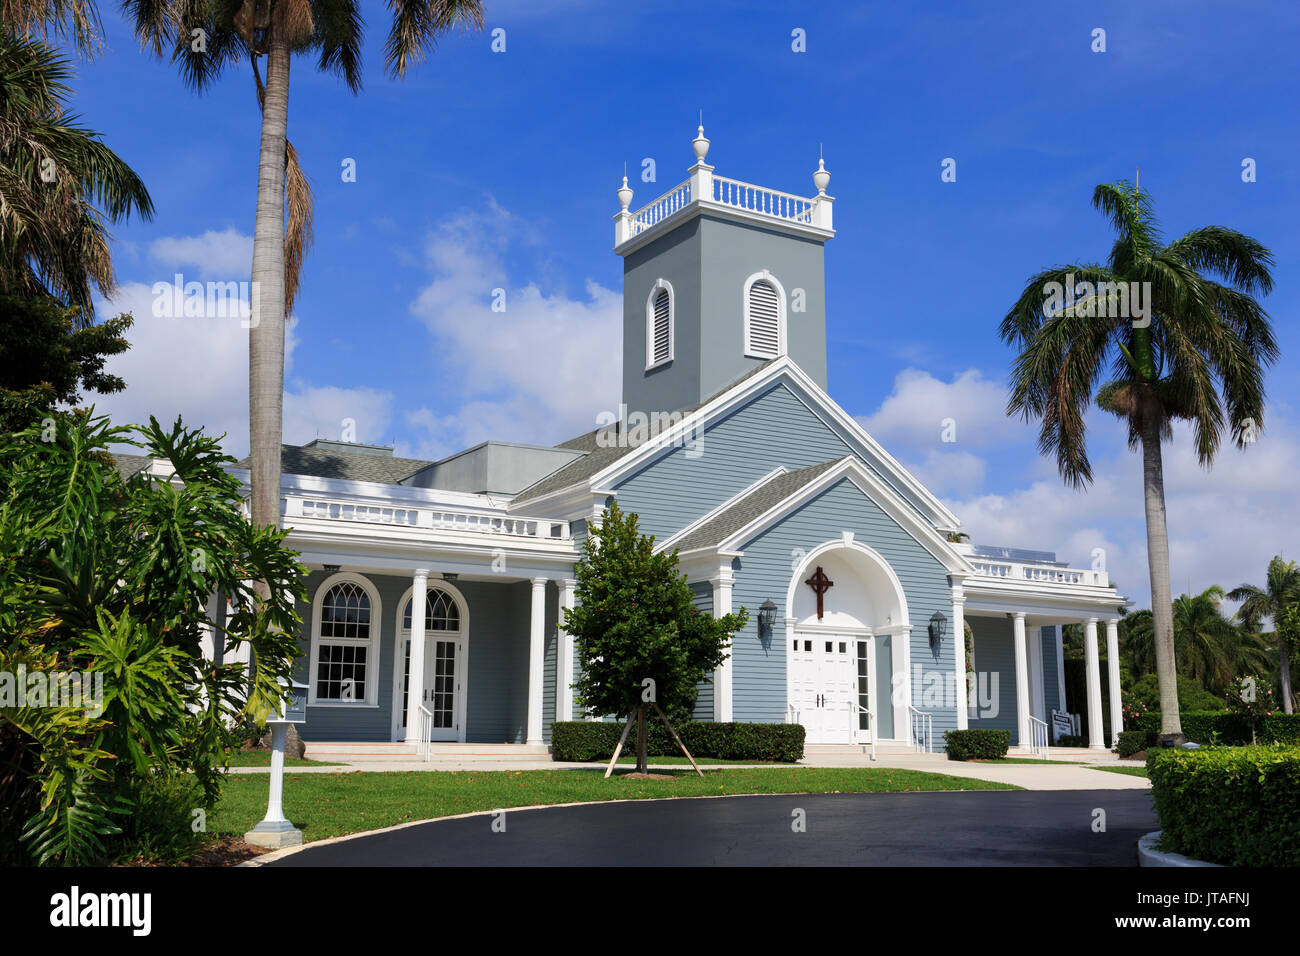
{"x":706,"y":190}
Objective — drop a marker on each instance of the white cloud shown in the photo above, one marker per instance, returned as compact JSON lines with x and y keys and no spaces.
{"x":923,"y":412}
{"x":536,"y":371}
{"x":226,"y":255}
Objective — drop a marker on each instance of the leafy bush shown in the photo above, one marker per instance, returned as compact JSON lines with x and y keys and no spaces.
{"x":979,"y":744}
{"x":595,"y":740}
{"x":1131,"y":742}
{"x":1238,"y":806}
{"x":1211,"y":728}
{"x":1191,"y":695}
{"x":162,"y":824}
{"x":1071,"y":740}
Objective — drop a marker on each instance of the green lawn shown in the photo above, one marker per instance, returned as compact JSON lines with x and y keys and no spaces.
{"x":325,"y":805}
{"x":262,"y":758}
{"x":1131,"y":771}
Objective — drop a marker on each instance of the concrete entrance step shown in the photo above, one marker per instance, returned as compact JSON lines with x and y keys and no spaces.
{"x":390,"y":752}
{"x":857,"y":750}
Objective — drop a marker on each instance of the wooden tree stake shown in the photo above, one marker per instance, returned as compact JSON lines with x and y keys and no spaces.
{"x":619,"y":749}
{"x":664,"y":717}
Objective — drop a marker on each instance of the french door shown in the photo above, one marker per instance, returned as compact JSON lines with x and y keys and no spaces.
{"x":443,"y":686}
{"x":830,"y":679}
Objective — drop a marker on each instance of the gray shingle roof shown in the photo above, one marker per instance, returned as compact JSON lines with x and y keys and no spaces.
{"x":598,"y":458}
{"x":755,"y":504}
{"x":336,"y":464}
{"x":128,"y":465}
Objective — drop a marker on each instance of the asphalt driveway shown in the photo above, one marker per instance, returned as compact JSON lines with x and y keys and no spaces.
{"x":973,"y":828}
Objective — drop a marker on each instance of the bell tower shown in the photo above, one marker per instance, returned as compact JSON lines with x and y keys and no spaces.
{"x":719,"y":276}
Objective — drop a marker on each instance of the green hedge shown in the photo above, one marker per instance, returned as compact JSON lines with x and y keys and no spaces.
{"x":581,"y":740}
{"x":977,"y":744}
{"x":1239,"y":806}
{"x":1131,"y":742}
{"x":1202,"y":727}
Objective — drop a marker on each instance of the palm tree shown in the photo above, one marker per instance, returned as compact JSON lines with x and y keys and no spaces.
{"x":1207,"y":641}
{"x":1280,"y":592}
{"x":1197,"y":355}
{"x":55,"y":176}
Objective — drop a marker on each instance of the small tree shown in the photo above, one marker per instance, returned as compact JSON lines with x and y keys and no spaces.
{"x":641,"y":641}
{"x":1250,"y":698}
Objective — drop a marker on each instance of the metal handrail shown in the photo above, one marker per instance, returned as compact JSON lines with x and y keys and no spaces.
{"x":854,"y":709}
{"x":424,"y":748}
{"x":920,"y":727}
{"x":1038,"y":736}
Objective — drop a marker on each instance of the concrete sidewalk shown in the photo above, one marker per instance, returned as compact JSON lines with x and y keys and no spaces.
{"x":1048,"y":776}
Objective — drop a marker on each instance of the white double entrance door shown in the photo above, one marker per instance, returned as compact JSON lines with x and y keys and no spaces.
{"x":830,"y":686}
{"x":444,"y":660}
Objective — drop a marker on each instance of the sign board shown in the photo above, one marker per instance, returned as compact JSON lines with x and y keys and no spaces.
{"x":1062,"y":724}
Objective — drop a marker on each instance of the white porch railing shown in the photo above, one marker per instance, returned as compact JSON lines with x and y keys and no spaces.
{"x":765,"y":202}
{"x":920,"y":729}
{"x":424,"y":746}
{"x":1039,"y":573}
{"x":1038,"y":736}
{"x":663,"y":207}
{"x":791,"y":714}
{"x":324,"y":507}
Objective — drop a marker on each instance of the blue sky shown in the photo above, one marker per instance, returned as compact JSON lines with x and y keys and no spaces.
{"x":485,"y":170}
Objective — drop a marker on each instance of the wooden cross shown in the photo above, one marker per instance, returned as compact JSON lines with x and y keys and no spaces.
{"x":820,"y":583}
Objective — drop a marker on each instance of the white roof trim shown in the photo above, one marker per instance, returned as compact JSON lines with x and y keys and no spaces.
{"x":781,"y":367}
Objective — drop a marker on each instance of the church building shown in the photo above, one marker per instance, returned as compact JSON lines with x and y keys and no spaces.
{"x":436,"y":587}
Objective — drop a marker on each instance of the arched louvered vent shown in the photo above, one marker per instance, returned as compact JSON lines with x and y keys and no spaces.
{"x":764,"y":325}
{"x":662,"y":329}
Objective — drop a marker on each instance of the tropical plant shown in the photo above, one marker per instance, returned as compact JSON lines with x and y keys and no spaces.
{"x":55,"y":177}
{"x":636,"y":621}
{"x":1205,"y":640}
{"x":1251,"y":698}
{"x":109,"y":576}
{"x":1195,"y":352}
{"x":1279,"y":595}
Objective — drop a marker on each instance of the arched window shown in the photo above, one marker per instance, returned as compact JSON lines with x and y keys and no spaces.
{"x":764,"y":306}
{"x":659,"y":324}
{"x":344,"y":657}
{"x":440,"y":612}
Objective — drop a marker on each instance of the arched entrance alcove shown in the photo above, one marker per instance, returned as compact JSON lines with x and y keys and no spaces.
{"x":832,"y":677}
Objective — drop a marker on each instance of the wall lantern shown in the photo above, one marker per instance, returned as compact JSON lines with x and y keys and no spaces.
{"x":766,"y":618}
{"x":938,"y":627}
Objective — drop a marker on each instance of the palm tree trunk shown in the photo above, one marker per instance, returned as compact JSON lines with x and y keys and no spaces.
{"x":1284,"y":659}
{"x":1162,"y":612}
{"x":266,"y":337}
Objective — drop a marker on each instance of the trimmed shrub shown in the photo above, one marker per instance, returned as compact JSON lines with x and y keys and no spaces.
{"x":977,"y":744}
{"x":1130,"y":742}
{"x":1071,"y":740}
{"x":1238,"y":806}
{"x":1223,"y":728}
{"x":581,"y":740}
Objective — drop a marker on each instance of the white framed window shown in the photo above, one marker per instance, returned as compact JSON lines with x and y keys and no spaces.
{"x":659,"y":315}
{"x":345,"y":642}
{"x":764,"y":307}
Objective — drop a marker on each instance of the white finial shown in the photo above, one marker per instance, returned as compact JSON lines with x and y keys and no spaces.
{"x":700,"y":144}
{"x":821,"y":178}
{"x":625,"y":194}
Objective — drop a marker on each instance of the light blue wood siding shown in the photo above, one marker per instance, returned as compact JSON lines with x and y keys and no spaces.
{"x":775,"y":428}
{"x":759,"y":674}
{"x":703,"y":592}
{"x":1051,"y":689}
{"x":995,"y":655}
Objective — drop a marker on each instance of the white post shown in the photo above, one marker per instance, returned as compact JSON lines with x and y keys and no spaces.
{"x":1112,"y":669}
{"x":959,"y":657}
{"x":1060,"y":670}
{"x":275,"y":830}
{"x":536,"y":658}
{"x":1037,"y":701}
{"x":1022,"y":682}
{"x":564,"y":653}
{"x":722,"y":701}
{"x":1095,"y":736}
{"x":415,"y":671}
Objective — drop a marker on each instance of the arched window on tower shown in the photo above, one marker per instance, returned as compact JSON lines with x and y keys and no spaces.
{"x":659,"y":325}
{"x":764,"y":316}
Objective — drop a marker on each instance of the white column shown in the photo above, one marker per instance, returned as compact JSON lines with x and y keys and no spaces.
{"x":1112,"y":668}
{"x":536,"y":658}
{"x":722,"y":700}
{"x":415,"y":678}
{"x":1023,"y":738}
{"x":959,"y":657}
{"x":1093,"y":662}
{"x":1037,"y":702}
{"x":564,"y":653}
{"x":1060,"y":671}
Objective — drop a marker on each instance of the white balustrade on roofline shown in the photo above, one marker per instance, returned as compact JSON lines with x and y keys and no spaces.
{"x":426,"y":517}
{"x":1039,"y":573}
{"x":705,"y":188}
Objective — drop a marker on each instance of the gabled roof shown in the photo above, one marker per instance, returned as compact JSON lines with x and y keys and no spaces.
{"x":751,"y":507}
{"x":128,"y":465}
{"x":295,"y":460}
{"x":600,"y":456}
